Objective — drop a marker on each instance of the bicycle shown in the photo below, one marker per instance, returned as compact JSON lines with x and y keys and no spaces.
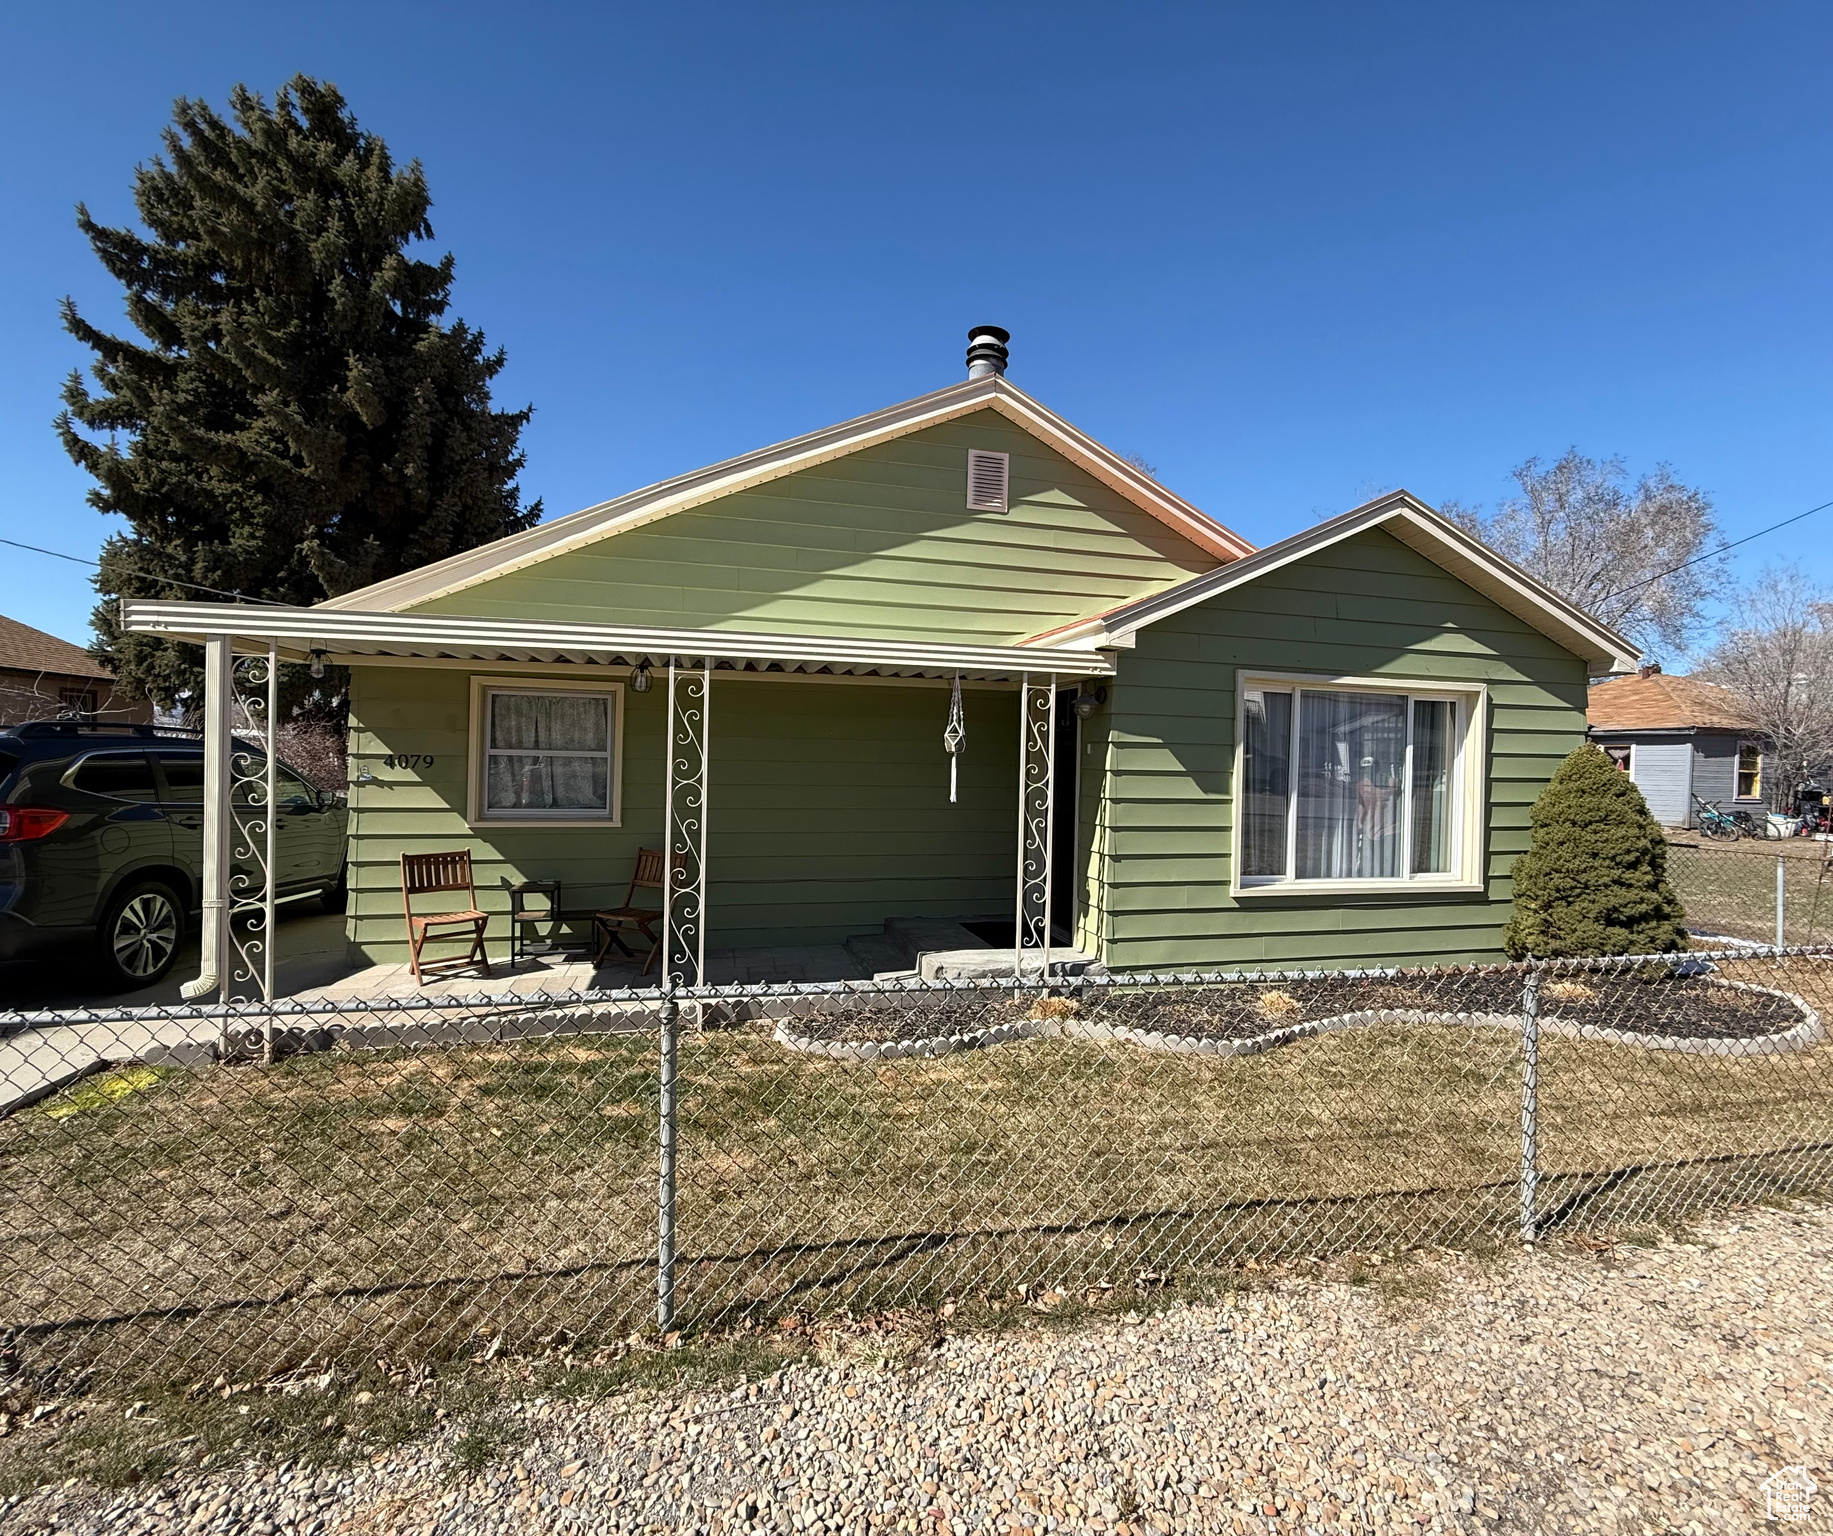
{"x":1716,"y":824}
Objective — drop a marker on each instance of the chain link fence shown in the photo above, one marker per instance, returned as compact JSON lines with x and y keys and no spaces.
{"x":195,"y":1192}
{"x":1765,"y":893}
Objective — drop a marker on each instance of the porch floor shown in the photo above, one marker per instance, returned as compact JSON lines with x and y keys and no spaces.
{"x":575,"y":972}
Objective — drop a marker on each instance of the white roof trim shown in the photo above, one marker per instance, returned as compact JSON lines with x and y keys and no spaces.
{"x":1413,"y":523}
{"x":348,"y":637}
{"x":488,"y":561}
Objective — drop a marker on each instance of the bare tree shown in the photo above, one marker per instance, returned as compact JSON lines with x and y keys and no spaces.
{"x":1629,"y":555}
{"x":1776,"y":654}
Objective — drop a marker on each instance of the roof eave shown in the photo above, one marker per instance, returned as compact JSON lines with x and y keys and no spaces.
{"x":633,"y":510}
{"x":1433,"y":536}
{"x":350,"y":637}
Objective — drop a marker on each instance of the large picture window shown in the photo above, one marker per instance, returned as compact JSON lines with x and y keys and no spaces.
{"x":1352,"y":784}
{"x":546,"y":753}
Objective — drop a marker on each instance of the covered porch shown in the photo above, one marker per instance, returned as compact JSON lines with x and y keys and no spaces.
{"x":800,"y":783}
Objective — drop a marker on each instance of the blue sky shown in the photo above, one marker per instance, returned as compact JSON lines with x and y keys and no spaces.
{"x":1293,"y":255}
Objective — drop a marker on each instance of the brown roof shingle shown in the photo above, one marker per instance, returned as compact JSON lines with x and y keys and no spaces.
{"x":1662,"y":703}
{"x":32,"y":650}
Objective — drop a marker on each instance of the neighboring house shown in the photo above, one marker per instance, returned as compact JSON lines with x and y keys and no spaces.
{"x":44,"y":678}
{"x":1320,"y":752}
{"x":1678,"y":737}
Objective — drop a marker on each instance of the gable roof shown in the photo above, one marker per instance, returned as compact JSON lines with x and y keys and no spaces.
{"x":638,"y":508}
{"x":32,"y":650}
{"x":1415,"y":524}
{"x":1662,"y":703}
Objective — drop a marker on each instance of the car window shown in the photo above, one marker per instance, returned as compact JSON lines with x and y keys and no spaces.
{"x":184,"y":780}
{"x":289,"y":788}
{"x":292,"y":789}
{"x":184,"y":775}
{"x":119,"y":775}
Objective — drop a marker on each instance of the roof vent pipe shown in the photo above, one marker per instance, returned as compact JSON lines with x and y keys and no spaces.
{"x":986,"y":351}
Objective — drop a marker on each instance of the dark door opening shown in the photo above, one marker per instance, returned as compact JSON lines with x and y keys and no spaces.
{"x":1065,"y":888}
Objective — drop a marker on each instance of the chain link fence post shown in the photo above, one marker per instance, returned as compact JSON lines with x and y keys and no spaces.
{"x":665,"y":1190}
{"x":1530,"y":1099}
{"x":1781,"y":900}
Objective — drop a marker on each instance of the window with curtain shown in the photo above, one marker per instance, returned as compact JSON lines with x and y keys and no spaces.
{"x":1345,"y":785}
{"x":549,"y":755}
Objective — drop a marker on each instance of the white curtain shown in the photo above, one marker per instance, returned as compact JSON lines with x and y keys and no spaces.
{"x":549,"y":752}
{"x":1432,"y":786}
{"x":1352,"y":750}
{"x":1266,"y":768}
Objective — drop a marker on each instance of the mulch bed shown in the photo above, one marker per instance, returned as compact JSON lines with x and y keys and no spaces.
{"x":1677,"y":1006}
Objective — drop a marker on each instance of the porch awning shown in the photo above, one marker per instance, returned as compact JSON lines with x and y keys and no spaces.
{"x":346,"y":637}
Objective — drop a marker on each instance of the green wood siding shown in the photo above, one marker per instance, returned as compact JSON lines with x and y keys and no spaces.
{"x":1369,"y":606}
{"x":828,"y":808}
{"x":878,"y":543}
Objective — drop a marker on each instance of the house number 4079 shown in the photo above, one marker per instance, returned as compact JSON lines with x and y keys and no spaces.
{"x":407,"y":760}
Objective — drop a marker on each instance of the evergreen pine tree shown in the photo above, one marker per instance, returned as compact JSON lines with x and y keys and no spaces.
{"x":1594,"y":878}
{"x":298,"y":420}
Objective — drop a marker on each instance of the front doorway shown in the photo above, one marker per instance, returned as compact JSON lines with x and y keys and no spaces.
{"x":1065,"y":771}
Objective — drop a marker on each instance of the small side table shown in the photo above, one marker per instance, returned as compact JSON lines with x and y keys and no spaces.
{"x":533,"y":903}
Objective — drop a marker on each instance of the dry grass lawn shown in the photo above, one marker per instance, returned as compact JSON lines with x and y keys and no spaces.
{"x":355,"y":1204}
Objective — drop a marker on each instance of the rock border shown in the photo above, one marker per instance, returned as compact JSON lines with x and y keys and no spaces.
{"x":1806,"y":1033}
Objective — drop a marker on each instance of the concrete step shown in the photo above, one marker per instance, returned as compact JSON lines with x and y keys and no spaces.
{"x":914,"y":937}
{"x":876,"y":954}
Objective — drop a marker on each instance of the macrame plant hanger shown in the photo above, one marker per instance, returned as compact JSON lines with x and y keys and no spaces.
{"x":954,"y":739}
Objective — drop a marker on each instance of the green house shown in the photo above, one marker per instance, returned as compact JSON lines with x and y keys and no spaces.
{"x":1178,"y":752}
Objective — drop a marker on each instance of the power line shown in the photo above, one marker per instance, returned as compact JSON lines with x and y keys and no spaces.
{"x":1712,"y":553}
{"x":170,"y":581}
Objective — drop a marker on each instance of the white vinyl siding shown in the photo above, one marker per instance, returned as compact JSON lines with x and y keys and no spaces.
{"x":1664,"y":773}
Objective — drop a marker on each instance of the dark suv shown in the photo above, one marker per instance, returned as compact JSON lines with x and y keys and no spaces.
{"x":102,"y":842}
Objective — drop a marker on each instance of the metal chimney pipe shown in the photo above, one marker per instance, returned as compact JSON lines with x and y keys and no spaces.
{"x":986,"y":351}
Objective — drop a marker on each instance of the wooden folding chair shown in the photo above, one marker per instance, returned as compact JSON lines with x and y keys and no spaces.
{"x":421,"y":875}
{"x":610,"y":925}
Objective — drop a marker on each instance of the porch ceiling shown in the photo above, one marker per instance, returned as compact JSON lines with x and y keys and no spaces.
{"x":350,"y":636}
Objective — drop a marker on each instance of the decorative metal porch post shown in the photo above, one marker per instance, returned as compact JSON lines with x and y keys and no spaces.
{"x":685,"y":739}
{"x":684,"y":892}
{"x":1037,"y":736}
{"x":254,"y":825}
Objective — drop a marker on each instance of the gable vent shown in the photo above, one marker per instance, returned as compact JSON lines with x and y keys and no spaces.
{"x":986,"y":480}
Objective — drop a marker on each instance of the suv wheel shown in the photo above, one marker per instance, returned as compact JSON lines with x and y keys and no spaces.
{"x":140,"y":934}
{"x":337,"y":897}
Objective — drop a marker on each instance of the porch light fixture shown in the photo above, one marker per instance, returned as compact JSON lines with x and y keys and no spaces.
{"x":1088,"y":700}
{"x":318,"y":662}
{"x":640,"y":680}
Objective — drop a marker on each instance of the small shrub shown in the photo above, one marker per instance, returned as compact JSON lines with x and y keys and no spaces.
{"x":1278,"y":1005}
{"x":1594,"y":879}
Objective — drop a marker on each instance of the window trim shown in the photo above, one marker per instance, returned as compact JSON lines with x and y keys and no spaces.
{"x":482,"y":687}
{"x":1469,"y":825}
{"x":1737,"y":770}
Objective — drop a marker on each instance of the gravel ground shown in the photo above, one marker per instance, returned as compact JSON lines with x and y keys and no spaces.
{"x":1629,"y":1389}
